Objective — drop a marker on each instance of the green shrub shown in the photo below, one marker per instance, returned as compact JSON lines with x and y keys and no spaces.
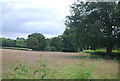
{"x":53,"y":49}
{"x":42,"y":70}
{"x":116,"y":51}
{"x":100,"y":51}
{"x":88,"y":51}
{"x":22,"y":71}
{"x":48,"y":48}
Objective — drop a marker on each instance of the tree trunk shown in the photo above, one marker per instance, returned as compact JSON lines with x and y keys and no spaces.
{"x":109,"y":50}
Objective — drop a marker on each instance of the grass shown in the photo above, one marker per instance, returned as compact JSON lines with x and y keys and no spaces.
{"x":16,"y":48}
{"x":102,"y":54}
{"x":0,"y":77}
{"x":100,"y":51}
{"x":23,"y":71}
{"x":80,"y":71}
{"x":42,"y":71}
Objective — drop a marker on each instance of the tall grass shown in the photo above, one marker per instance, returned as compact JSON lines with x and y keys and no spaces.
{"x":43,"y":71}
{"x":79,"y":71}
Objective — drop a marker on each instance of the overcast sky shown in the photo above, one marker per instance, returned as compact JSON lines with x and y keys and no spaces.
{"x":23,"y":17}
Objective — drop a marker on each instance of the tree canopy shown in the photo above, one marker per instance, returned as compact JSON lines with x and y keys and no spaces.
{"x":20,"y":42}
{"x":36,"y":41}
{"x":94,"y":24}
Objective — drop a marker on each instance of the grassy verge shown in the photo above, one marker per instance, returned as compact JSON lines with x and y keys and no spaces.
{"x":100,"y":51}
{"x":102,"y":54}
{"x":16,"y":48}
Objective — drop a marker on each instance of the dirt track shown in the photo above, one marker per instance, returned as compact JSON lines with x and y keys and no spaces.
{"x":53,"y":59}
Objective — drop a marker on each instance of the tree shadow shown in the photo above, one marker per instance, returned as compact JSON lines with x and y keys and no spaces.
{"x":93,"y":56}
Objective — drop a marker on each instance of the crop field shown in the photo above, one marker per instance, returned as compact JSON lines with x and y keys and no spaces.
{"x":56,"y":65}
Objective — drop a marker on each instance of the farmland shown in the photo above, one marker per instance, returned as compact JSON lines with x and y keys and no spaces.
{"x":60,"y":62}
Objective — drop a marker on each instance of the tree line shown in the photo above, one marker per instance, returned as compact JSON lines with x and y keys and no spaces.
{"x":6,"y":42}
{"x":38,"y":42}
{"x":90,"y":25}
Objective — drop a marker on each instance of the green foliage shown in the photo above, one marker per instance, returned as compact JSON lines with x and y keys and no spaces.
{"x":36,"y":41}
{"x":88,"y":51}
{"x":67,"y":41}
{"x":80,"y":71}
{"x":0,"y":77}
{"x":94,"y":24}
{"x":100,"y":51}
{"x":53,"y":49}
{"x":101,"y":54}
{"x":41,"y":71}
{"x":56,"y":43}
{"x":21,"y":71}
{"x":20,"y":42}
{"x":48,"y":48}
{"x":25,"y":71}
{"x":7,"y":42}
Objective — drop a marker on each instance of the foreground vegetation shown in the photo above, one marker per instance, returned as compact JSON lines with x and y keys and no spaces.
{"x":83,"y":70}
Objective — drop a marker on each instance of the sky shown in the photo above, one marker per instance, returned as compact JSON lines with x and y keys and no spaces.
{"x":23,"y":17}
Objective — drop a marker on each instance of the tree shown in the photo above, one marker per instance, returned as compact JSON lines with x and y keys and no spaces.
{"x":7,"y":42}
{"x":67,"y":41}
{"x":20,"y":42}
{"x":94,"y":24}
{"x":55,"y":43}
{"x":36,"y":41}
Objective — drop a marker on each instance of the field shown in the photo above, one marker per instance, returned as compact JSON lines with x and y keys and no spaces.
{"x":61,"y":62}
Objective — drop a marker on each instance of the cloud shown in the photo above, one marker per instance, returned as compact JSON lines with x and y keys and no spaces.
{"x":23,"y":17}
